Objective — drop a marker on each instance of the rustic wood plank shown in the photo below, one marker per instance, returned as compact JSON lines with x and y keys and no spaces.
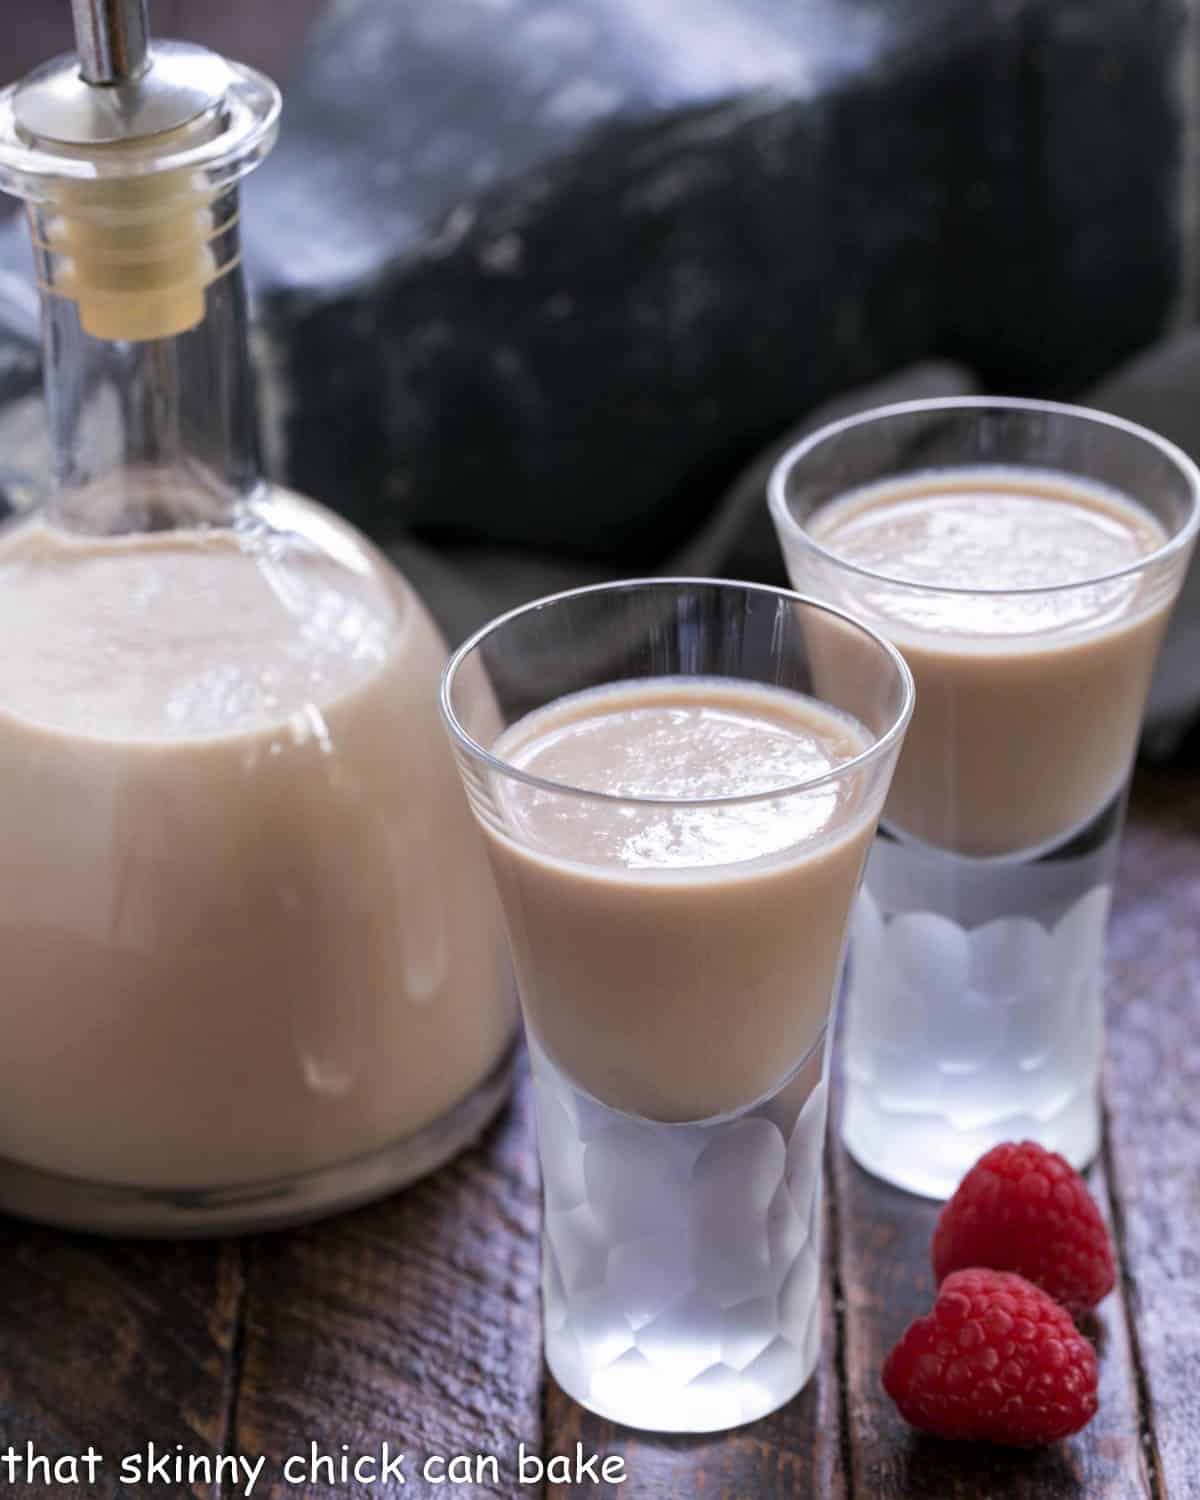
{"x":1153,"y":1084}
{"x":888,"y":1281}
{"x":114,"y":1346}
{"x":795,"y":1452}
{"x":415,"y":1321}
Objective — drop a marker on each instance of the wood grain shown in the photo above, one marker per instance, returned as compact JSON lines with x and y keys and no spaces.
{"x":414,"y":1321}
{"x":1153,"y":1085}
{"x":113,"y":1345}
{"x":887,"y":1279}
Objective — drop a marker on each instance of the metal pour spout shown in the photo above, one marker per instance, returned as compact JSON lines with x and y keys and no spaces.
{"x":112,"y":39}
{"x":119,"y":89}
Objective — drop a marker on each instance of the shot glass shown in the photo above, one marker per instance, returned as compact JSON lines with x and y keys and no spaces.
{"x":975,"y":1006}
{"x":677,"y":948}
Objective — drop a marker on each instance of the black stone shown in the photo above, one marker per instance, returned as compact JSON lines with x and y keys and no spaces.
{"x":548,"y":273}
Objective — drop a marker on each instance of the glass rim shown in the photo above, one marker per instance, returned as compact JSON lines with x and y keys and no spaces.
{"x":786,"y":464}
{"x":879,"y":748}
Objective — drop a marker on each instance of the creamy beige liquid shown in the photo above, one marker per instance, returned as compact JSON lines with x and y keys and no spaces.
{"x":1028,"y":706}
{"x":679,"y":961}
{"x":246,"y":924}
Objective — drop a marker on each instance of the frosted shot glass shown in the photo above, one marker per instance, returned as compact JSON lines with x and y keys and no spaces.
{"x":677,"y":953}
{"x":975,"y":1004}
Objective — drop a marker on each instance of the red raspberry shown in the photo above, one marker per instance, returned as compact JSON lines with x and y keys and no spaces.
{"x":1021,"y":1208}
{"x":996,"y":1360}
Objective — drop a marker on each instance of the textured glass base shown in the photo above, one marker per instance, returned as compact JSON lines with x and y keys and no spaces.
{"x":975,"y":1008}
{"x":186,"y":1213}
{"x":927,"y":1155}
{"x":681,"y":1263}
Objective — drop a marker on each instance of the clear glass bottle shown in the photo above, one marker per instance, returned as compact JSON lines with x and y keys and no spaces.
{"x":251,"y":965}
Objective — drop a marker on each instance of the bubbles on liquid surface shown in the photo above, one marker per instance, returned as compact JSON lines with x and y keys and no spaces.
{"x":182,"y":634}
{"x":683,"y":740}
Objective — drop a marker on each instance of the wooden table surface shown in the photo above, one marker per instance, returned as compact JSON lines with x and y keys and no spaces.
{"x":415,"y":1322}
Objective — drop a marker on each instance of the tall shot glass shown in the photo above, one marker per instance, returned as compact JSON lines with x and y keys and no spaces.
{"x":975,"y":1005}
{"x":677,"y":954}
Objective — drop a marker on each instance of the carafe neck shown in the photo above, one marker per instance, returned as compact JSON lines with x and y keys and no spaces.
{"x":157,"y":428}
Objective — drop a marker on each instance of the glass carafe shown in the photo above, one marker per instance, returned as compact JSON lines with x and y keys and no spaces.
{"x":251,"y":964}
